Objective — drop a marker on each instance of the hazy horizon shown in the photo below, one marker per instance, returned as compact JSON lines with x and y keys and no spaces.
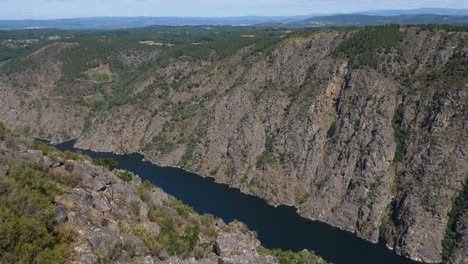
{"x":63,"y":9}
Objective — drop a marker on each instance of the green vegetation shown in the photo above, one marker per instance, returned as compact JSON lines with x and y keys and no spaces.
{"x":52,"y":152}
{"x":4,"y":132}
{"x":360,"y":20}
{"x":125,"y":54}
{"x":125,"y":176}
{"x":195,"y":138}
{"x":332,"y":130}
{"x":290,"y":257}
{"x":3,"y":129}
{"x":365,"y":45}
{"x":303,"y":198}
{"x":161,"y":143}
{"x":453,"y":75}
{"x":262,"y":160}
{"x":229,"y":172}
{"x":265,"y":157}
{"x":69,"y":155}
{"x":31,"y":235}
{"x":26,"y":217}
{"x":180,"y":230}
{"x":459,"y":203}
{"x":401,"y":135}
{"x":43,"y":147}
{"x":18,"y":43}
{"x":108,"y":163}
{"x":101,"y":74}
{"x":448,"y":28}
{"x":214,"y":171}
{"x":96,"y":102}
{"x":87,"y":124}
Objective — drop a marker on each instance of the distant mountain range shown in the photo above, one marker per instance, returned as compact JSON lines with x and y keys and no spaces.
{"x":365,"y":20}
{"x":134,"y":22}
{"x":434,"y":11}
{"x":415,"y":16}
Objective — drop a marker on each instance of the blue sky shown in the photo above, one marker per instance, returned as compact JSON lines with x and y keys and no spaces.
{"x":45,"y":9}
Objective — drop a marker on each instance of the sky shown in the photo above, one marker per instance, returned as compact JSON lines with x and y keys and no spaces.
{"x":48,"y":9}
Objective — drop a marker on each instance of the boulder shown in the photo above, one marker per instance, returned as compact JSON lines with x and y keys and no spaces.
{"x":228,"y":244}
{"x":134,"y":246}
{"x":104,"y":242}
{"x":248,"y":257}
{"x":60,"y":215}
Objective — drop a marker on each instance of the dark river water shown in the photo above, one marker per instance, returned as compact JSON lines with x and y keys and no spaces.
{"x":277,"y":227}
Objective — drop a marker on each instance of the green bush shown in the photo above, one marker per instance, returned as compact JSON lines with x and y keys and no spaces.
{"x":125,"y":176}
{"x":332,"y":130}
{"x":3,"y":130}
{"x":458,"y":203}
{"x":265,"y":157}
{"x":181,"y":208}
{"x":214,"y":171}
{"x":180,"y":230}
{"x":43,"y":147}
{"x":262,"y":160}
{"x":144,"y":190}
{"x":55,"y":255}
{"x":290,"y":257}
{"x":66,"y":178}
{"x":47,"y":150}
{"x":178,"y":245}
{"x":68,"y":155}
{"x":26,"y":218}
{"x":108,"y":163}
{"x":401,"y":135}
{"x":170,"y":239}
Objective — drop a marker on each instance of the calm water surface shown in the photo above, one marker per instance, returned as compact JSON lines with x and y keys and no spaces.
{"x":277,"y":227}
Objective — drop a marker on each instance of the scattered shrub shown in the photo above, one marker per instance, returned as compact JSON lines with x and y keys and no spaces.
{"x":47,"y":150}
{"x":69,"y":155}
{"x":135,"y":208}
{"x":69,"y":166}
{"x":144,"y":189}
{"x":262,"y":160}
{"x":66,"y":178}
{"x":125,"y":176}
{"x":3,"y":129}
{"x":181,"y":208}
{"x":401,"y":135}
{"x":290,"y":257}
{"x":108,"y":163}
{"x":11,"y":143}
{"x":214,"y":171}
{"x":332,"y":130}
{"x":41,"y":146}
{"x":265,"y":157}
{"x":458,"y":203}
{"x":26,"y":218}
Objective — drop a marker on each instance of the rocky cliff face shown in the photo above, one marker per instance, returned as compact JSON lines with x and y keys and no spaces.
{"x":110,"y":216}
{"x":372,"y":142}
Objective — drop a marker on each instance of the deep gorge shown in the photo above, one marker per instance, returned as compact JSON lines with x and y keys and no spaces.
{"x":368,"y":138}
